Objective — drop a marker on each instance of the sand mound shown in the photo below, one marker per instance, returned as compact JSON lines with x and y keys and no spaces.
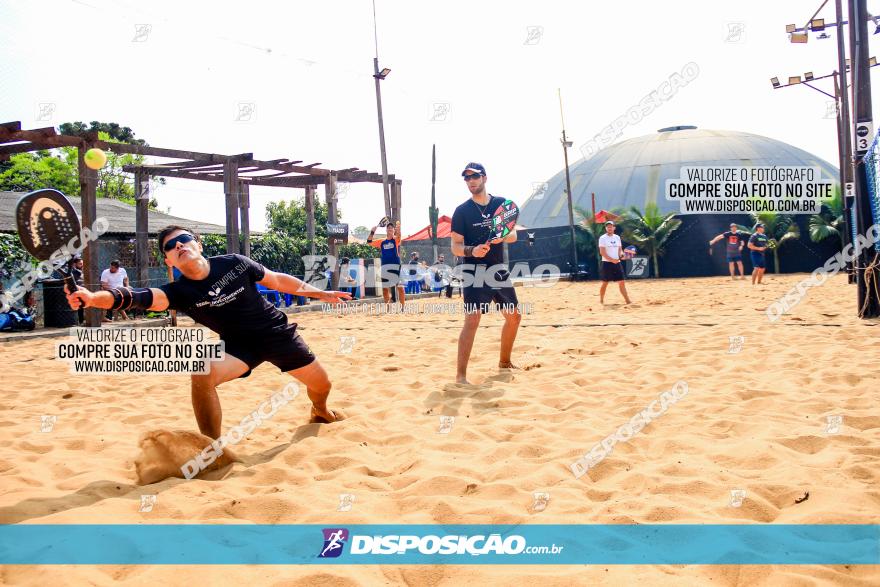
{"x":164,"y":452}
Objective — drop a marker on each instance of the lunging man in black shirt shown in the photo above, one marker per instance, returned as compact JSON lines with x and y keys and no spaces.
{"x":221,"y":293}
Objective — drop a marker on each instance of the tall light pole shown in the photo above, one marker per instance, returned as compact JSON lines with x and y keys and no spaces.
{"x":841,"y":95}
{"x":386,"y":193}
{"x":379,"y":76}
{"x":566,"y":144}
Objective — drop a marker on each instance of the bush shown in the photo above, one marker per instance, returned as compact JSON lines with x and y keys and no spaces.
{"x":13,"y":258}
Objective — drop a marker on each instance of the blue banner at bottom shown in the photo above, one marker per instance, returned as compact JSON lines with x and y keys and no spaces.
{"x":554,"y":544}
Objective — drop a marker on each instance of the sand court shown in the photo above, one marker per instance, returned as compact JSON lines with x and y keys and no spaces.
{"x":779,"y":425}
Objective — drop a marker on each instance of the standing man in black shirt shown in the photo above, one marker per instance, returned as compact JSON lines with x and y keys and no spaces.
{"x":758,"y":244}
{"x":483,"y":258}
{"x":221,"y":293}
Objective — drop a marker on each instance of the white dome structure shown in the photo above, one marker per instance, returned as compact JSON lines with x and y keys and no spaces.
{"x":634,"y":172}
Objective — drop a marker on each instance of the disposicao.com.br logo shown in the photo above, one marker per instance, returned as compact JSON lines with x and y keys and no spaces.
{"x":412,"y":544}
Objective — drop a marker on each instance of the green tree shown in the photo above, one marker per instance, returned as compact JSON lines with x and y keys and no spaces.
{"x":27,"y":172}
{"x":119,"y":134}
{"x":650,"y":231}
{"x":587,"y":233}
{"x":782,"y":230}
{"x":289,"y":218}
{"x":59,"y":169}
{"x":828,"y":223}
{"x":361,"y":232}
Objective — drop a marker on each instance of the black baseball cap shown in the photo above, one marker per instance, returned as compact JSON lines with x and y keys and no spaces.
{"x":474,"y":167}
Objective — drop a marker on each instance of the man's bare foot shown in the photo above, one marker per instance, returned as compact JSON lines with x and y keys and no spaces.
{"x":462,"y":380}
{"x":507,"y":365}
{"x":324,"y":416}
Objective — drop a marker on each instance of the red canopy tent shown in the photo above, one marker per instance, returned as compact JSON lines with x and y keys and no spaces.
{"x":444,"y":228}
{"x":605,"y":215}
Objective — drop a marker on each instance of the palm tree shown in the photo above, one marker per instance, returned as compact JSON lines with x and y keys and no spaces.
{"x":781,"y":228}
{"x":828,"y":223}
{"x":650,"y":231}
{"x":584,"y":234}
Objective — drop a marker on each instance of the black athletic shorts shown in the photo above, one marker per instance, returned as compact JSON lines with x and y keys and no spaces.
{"x":393,"y":272}
{"x":478,"y":298}
{"x":612,"y":271}
{"x":286,"y":351}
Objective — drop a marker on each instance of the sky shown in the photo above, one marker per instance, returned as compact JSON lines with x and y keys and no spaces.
{"x":479,"y":80}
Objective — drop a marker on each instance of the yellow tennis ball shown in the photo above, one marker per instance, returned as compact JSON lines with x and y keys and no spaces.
{"x":95,"y":158}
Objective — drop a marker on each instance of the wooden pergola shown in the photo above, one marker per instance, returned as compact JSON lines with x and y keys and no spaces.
{"x":236,"y":172}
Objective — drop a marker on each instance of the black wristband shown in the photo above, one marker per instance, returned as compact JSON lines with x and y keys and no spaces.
{"x":141,"y":298}
{"x":468,"y":251}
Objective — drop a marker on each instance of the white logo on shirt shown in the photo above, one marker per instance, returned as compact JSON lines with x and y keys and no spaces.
{"x":612,"y":245}
{"x":222,"y":300}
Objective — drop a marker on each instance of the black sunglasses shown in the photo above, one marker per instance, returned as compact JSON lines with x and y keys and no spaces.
{"x":473,"y":176}
{"x":181,"y":238}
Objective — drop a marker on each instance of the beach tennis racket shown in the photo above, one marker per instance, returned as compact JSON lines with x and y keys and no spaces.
{"x":46,"y":222}
{"x":503,"y":220}
{"x":629,"y":252}
{"x":384,"y":222}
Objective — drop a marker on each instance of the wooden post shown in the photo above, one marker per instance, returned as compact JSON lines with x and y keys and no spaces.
{"x":330,"y":196}
{"x":244,"y":204}
{"x":395,"y":200}
{"x":310,"y":216}
{"x":394,"y":188}
{"x":88,"y":185}
{"x":230,"y":187}
{"x":142,"y":231}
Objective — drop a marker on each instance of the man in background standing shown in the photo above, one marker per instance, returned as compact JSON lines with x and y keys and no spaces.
{"x":735,"y":242}
{"x":758,"y":243}
{"x":441,"y":275}
{"x":114,"y":278}
{"x":610,"y":247}
{"x":390,"y":251}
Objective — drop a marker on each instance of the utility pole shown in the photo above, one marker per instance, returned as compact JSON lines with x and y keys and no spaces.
{"x":379,"y":76}
{"x":841,"y":99}
{"x":844,"y":136}
{"x":565,"y":146}
{"x":385,"y":191}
